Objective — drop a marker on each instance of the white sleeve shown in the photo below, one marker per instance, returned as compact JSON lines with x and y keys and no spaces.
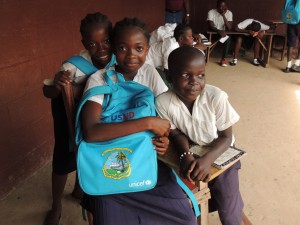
{"x":210,"y":15}
{"x":229,"y":16}
{"x":242,"y":25}
{"x":226,"y":116}
{"x":162,"y":104}
{"x":168,"y":46}
{"x":93,"y":81}
{"x":263,"y":26}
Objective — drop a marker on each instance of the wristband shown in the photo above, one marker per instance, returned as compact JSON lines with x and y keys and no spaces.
{"x":188,"y":14}
{"x":185,"y":154}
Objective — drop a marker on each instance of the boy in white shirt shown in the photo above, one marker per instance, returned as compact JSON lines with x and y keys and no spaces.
{"x":220,"y":20}
{"x":255,"y":31}
{"x":201,"y":114}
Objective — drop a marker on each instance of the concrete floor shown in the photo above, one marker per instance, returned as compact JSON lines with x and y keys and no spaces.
{"x":268,"y":102}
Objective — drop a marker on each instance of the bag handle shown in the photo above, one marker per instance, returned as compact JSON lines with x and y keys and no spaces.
{"x":189,"y":194}
{"x":110,"y":73}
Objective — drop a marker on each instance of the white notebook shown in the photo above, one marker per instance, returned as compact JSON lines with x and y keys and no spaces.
{"x":232,"y":154}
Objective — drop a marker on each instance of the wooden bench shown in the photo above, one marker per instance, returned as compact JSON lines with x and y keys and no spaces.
{"x":265,"y":50}
{"x":200,"y":189}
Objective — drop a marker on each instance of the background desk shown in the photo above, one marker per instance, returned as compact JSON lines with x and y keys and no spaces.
{"x":264,"y":52}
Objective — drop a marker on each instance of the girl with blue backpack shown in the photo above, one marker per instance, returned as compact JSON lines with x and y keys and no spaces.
{"x":95,"y":31}
{"x":165,"y":203}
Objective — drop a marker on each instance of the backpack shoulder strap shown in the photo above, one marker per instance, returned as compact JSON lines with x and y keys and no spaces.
{"x":81,"y":63}
{"x":189,"y":194}
{"x":98,"y":90}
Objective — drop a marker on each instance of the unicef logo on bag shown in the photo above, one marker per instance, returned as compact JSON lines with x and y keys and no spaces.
{"x":141,"y":183}
{"x":117,"y":165}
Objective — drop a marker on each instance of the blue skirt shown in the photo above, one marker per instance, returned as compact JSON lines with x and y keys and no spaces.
{"x":166,"y":204}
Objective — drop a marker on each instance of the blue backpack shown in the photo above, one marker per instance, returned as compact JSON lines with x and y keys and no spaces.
{"x":124,"y":164}
{"x":291,"y":12}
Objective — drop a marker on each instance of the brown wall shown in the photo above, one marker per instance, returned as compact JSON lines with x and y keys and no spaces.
{"x":36,"y":36}
{"x":263,"y":10}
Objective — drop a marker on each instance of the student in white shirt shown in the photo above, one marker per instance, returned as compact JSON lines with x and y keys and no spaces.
{"x":201,"y":114}
{"x":256,"y":30}
{"x":220,"y":20}
{"x":159,"y":52}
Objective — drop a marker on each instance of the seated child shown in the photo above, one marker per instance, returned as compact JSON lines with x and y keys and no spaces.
{"x":220,"y":20}
{"x":201,"y":114}
{"x":256,"y":30}
{"x":159,"y":52}
{"x":165,"y":203}
{"x":95,"y":30}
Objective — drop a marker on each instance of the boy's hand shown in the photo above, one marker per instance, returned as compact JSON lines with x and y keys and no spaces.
{"x":62,"y":78}
{"x":193,"y":168}
{"x":160,"y":127}
{"x":200,"y":169}
{"x":222,"y":33}
{"x":185,"y":165}
{"x":161,"y":144}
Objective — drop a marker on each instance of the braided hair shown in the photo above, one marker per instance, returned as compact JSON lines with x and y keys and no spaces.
{"x":129,"y":22}
{"x":180,"y":29}
{"x":92,"y":20}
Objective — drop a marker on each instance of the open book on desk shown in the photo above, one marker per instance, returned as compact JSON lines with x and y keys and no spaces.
{"x":232,"y":154}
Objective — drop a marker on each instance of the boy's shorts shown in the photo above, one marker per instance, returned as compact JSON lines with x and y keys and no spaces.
{"x":64,"y":159}
{"x":293,"y":33}
{"x":226,"y":196}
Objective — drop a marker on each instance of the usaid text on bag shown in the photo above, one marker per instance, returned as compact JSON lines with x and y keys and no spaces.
{"x":291,"y":12}
{"x":125,"y":164}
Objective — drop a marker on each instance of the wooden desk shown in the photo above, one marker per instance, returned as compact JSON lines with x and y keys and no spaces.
{"x":265,"y":51}
{"x":201,"y":190}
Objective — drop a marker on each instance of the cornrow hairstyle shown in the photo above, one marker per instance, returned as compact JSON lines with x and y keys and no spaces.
{"x":220,"y":1}
{"x":93,"y":19}
{"x":180,"y":29}
{"x":129,"y":22}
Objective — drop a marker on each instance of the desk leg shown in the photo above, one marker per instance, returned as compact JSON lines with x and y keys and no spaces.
{"x":203,"y":219}
{"x":266,"y":53}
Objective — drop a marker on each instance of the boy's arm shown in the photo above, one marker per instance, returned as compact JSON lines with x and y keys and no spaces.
{"x":94,"y":131}
{"x":212,"y":27}
{"x":228,"y":24}
{"x":219,"y":145}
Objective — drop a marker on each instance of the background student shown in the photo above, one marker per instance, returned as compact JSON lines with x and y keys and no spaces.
{"x":95,"y":31}
{"x":256,"y":30}
{"x":220,"y":20}
{"x":175,"y":9}
{"x":293,"y":34}
{"x":166,"y":203}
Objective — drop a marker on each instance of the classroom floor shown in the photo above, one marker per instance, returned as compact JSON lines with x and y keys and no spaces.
{"x":268,"y":102}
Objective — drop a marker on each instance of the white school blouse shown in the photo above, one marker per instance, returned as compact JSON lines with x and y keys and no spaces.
{"x":147,"y":75}
{"x":211,"y":112}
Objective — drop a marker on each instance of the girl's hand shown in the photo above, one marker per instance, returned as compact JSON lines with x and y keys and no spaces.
{"x":62,"y":78}
{"x":161,"y":144}
{"x":160,"y":127}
